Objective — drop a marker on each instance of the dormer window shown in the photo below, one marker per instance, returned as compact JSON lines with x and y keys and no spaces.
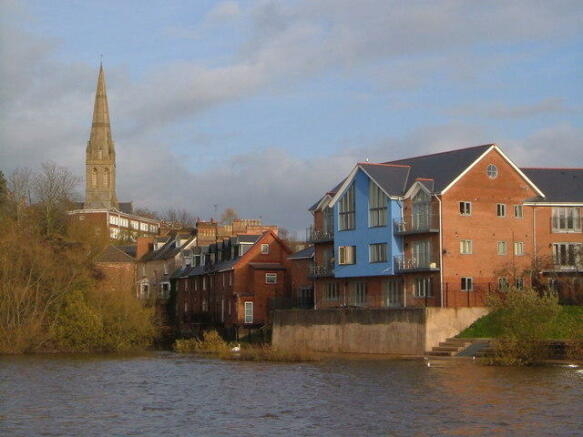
{"x":265,"y":249}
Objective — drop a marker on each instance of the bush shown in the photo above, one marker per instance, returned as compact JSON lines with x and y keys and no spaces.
{"x":526,"y":318}
{"x":211,"y":343}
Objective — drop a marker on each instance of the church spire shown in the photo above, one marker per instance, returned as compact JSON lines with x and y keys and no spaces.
{"x":100,"y":154}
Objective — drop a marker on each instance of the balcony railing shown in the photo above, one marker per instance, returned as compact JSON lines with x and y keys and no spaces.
{"x":417,"y":224}
{"x":321,"y":271}
{"x":415,"y":264}
{"x":319,"y":236}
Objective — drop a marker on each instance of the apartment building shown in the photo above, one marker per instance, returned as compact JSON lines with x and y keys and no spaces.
{"x":445,"y":229}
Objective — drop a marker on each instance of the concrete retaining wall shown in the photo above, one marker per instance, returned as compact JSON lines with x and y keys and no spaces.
{"x":378,"y":331}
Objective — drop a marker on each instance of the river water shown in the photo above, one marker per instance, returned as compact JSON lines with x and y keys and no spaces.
{"x":166,"y":394}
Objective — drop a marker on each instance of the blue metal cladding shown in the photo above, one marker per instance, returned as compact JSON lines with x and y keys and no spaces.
{"x":363,"y":235}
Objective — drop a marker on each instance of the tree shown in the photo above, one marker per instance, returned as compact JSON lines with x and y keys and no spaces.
{"x":53,"y":189}
{"x":19,"y":192}
{"x":146,"y":212}
{"x":228,"y":216}
{"x":3,"y":190}
{"x":180,"y":216}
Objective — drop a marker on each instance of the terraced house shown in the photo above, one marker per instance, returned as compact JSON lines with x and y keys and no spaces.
{"x":444,"y":229}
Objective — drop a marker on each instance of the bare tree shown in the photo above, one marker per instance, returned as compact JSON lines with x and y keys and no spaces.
{"x":148,"y":213}
{"x":181,"y":216}
{"x":228,"y":216}
{"x":20,"y":191}
{"x":53,"y":189}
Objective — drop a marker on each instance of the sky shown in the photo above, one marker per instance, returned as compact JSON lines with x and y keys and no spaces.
{"x":265,"y":105}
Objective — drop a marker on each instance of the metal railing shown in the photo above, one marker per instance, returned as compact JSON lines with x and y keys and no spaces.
{"x":417,"y":223}
{"x":321,"y":271}
{"x":319,"y":236}
{"x":405,"y":263}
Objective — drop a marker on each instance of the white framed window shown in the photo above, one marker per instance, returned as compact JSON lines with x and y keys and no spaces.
{"x":465,"y":208}
{"x":503,"y":283}
{"x":346,"y":255}
{"x":501,"y":247}
{"x":422,"y":287}
{"x":518,"y":248}
{"x":466,"y":247}
{"x":265,"y":249}
{"x":331,"y":292}
{"x":124,"y":222}
{"x":135,"y":224}
{"x":271,"y":278}
{"x":519,"y":283}
{"x":114,"y":233}
{"x":566,"y":219}
{"x":518,"y":211}
{"x":393,"y":292}
{"x":492,"y":171}
{"x":248,"y":312}
{"x":346,"y":210}
{"x":165,"y":289}
{"x":377,"y":206}
{"x":359,"y":293}
{"x":467,"y":283}
{"x":501,"y":209}
{"x":377,"y":252}
{"x":567,"y":254}
{"x":144,"y":227}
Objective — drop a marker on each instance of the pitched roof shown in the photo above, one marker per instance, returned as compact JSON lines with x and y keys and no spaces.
{"x":442,"y":167}
{"x":306,"y":253}
{"x":558,"y":184}
{"x":167,"y":251}
{"x":114,"y":254}
{"x":392,"y":179}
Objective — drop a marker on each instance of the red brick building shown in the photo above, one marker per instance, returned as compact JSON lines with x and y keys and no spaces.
{"x":234,"y":283}
{"x":445,"y":229}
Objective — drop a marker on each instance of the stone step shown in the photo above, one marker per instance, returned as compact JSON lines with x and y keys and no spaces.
{"x":447,"y":348}
{"x":453,"y":344}
{"x":435,"y":353}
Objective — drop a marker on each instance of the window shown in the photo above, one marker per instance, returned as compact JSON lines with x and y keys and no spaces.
{"x":106,"y":177}
{"x":165,"y":289}
{"x":94,"y":177}
{"x":422,"y":287}
{"x":466,"y":247}
{"x":566,"y":219}
{"x":465,"y":208}
{"x":346,"y":210}
{"x":501,"y":209}
{"x":248,"y":312}
{"x":377,"y":252}
{"x":492,"y":171}
{"x":205,"y":305}
{"x":501,"y":247}
{"x":503,"y":283}
{"x":346,"y":255}
{"x":567,"y":254}
{"x":518,"y":248}
{"x":467,"y":284}
{"x":393,"y":292}
{"x":377,"y":201}
{"x":359,"y":293}
{"x":144,"y":227}
{"x":518,"y":212}
{"x":271,"y":278}
{"x":204,"y":282}
{"x":519,"y":283}
{"x":144,"y":291}
{"x":331,"y":292}
{"x":264,"y":249}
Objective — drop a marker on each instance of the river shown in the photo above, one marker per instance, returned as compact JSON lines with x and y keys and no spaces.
{"x":166,"y":394}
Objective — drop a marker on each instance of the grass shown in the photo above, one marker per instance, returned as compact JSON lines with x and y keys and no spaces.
{"x":212,"y":343}
{"x":568,"y":325}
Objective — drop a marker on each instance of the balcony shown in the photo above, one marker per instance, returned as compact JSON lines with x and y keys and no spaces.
{"x":319,"y":236}
{"x":321,"y":271}
{"x":410,"y":264}
{"x":417,"y":224}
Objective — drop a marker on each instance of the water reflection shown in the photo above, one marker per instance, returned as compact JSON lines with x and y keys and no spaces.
{"x":168,"y":394}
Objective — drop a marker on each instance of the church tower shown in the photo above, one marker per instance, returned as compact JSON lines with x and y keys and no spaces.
{"x":100,"y":155}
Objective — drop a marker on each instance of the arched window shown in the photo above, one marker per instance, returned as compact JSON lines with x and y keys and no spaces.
{"x":106,"y":177}
{"x":94,"y":177}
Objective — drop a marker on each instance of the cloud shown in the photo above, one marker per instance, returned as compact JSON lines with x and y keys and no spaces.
{"x":500,"y":111}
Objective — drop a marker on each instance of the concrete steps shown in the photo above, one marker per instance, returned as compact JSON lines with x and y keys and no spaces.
{"x":469,"y":347}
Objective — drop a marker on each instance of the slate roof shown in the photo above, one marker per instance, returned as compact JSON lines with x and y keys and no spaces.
{"x":169,"y":250}
{"x":442,"y":167}
{"x":248,"y":238}
{"x":114,"y":254}
{"x":558,"y":184}
{"x":391,"y":178}
{"x":306,"y":253}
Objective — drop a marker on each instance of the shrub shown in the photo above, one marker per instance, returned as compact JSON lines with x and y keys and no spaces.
{"x":526,"y":318}
{"x":211,"y":343}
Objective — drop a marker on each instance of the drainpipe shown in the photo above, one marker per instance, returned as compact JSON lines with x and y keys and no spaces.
{"x":535,"y":253}
{"x":440,"y":251}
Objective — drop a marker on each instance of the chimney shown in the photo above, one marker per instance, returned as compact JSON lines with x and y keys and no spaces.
{"x":145,"y":245}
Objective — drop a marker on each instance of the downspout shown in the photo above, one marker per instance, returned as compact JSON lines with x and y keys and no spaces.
{"x":535,"y":253}
{"x":440,"y":251}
